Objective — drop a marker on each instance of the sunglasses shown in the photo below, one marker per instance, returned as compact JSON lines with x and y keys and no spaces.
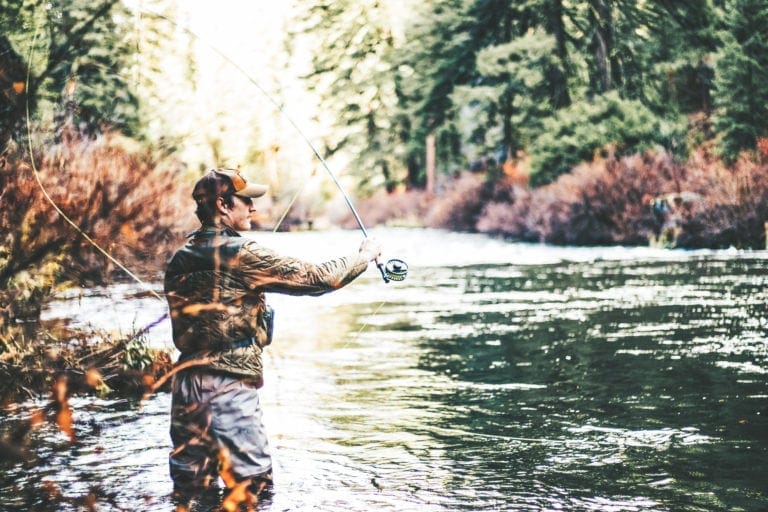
{"x":247,"y":200}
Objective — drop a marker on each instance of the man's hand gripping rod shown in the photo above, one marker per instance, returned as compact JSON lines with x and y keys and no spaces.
{"x":394,"y":270}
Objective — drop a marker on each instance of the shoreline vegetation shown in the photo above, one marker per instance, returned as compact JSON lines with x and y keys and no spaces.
{"x":84,"y":363}
{"x":640,"y":199}
{"x":61,"y":210}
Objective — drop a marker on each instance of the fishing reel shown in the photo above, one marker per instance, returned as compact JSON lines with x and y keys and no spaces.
{"x":393,"y":270}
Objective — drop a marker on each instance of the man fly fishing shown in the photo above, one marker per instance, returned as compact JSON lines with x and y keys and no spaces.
{"x":215,"y":285}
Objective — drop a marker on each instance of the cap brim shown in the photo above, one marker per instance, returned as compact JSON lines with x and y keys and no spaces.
{"x":253,"y":190}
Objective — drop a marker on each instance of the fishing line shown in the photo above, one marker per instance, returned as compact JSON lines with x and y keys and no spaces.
{"x":63,"y":215}
{"x":394,"y":269}
{"x":363,"y":327}
{"x":290,"y":205}
{"x":45,"y":191}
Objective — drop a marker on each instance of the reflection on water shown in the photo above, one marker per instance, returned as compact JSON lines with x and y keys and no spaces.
{"x":496,"y":377}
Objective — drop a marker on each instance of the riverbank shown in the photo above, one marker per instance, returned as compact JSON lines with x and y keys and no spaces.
{"x":81,"y":362}
{"x":638,"y":200}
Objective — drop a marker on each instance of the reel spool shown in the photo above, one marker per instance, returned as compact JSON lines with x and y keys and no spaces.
{"x":395,"y":270}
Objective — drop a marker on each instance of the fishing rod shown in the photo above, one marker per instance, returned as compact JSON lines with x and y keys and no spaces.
{"x":394,"y":269}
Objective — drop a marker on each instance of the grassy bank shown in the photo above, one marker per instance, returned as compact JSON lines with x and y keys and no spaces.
{"x":85,"y":363}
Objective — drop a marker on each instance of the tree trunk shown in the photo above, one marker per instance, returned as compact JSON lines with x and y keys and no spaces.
{"x":430,"y":162}
{"x":415,"y":177}
{"x":559,"y":76}
{"x":603,"y":44}
{"x":508,"y":130}
{"x":389,"y":184}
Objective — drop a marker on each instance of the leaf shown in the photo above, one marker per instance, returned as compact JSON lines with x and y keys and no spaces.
{"x":61,"y":405}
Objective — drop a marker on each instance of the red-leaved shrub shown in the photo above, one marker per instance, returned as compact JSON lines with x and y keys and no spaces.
{"x":734,"y":208}
{"x":404,"y":208}
{"x":632,"y":200}
{"x":119,"y":195}
{"x":603,"y":202}
{"x":608,"y":201}
{"x":459,"y":205}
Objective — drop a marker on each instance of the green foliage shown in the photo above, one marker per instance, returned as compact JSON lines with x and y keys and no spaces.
{"x":496,"y":71}
{"x":138,"y":355}
{"x":680,"y":39}
{"x":484,"y":76}
{"x":77,"y":56}
{"x":163,"y":73}
{"x":26,"y":288}
{"x":742,"y":78}
{"x":352,"y":75}
{"x":438,"y":53}
{"x":511,"y":98}
{"x":577,"y":133}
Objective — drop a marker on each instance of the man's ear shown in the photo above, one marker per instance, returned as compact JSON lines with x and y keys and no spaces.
{"x":221,"y":205}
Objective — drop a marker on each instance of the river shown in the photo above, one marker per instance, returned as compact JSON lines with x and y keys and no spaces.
{"x":498,"y":376}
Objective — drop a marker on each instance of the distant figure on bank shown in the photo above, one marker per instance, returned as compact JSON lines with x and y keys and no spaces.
{"x":215,"y":286}
{"x":670,"y":212}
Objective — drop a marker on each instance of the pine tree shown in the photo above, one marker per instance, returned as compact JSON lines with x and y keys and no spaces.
{"x":742,"y":77}
{"x":512,"y":95}
{"x":352,"y":74}
{"x":161,"y":71}
{"x":13,"y":68}
{"x":437,"y":55}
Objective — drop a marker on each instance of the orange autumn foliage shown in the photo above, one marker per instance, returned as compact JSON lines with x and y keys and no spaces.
{"x":60,"y":402}
{"x":238,"y":493}
{"x":121,"y":196}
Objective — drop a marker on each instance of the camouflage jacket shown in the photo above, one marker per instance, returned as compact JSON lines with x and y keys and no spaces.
{"x":215,"y":287}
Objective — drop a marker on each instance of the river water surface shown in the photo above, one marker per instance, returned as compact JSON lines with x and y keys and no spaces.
{"x":497,"y":376}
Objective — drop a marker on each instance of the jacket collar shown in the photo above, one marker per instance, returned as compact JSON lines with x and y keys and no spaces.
{"x":210,"y":230}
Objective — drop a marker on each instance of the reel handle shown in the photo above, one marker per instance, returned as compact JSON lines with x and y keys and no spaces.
{"x":383,"y":271}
